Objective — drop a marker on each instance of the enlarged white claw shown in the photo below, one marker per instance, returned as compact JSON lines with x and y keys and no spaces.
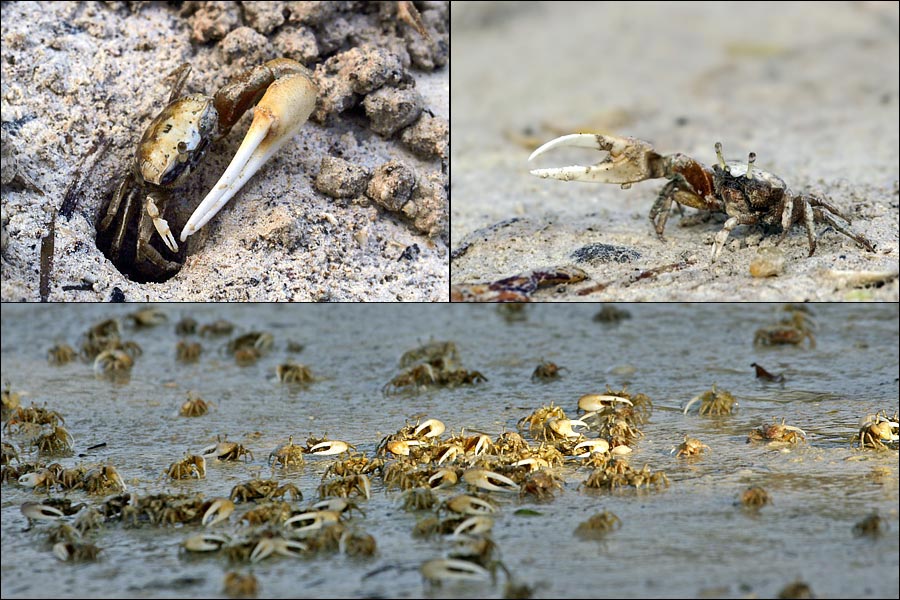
{"x":329,"y":448}
{"x":204,"y":542}
{"x":36,"y":510}
{"x":430,"y":428}
{"x":593,"y":403}
{"x":311,"y":520}
{"x":453,"y":569}
{"x":591,"y":447}
{"x":474,"y":525}
{"x":218,"y":511}
{"x":489,"y":480}
{"x":286,"y":106}
{"x":565,"y":427}
{"x":630,"y":160}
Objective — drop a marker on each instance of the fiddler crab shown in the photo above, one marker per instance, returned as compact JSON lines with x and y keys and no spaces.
{"x":877,"y":431}
{"x":172,"y":146}
{"x":596,"y":527}
{"x":748,"y":195}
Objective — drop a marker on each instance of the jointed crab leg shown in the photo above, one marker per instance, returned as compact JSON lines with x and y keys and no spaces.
{"x":630,"y":160}
{"x":286,"y":105}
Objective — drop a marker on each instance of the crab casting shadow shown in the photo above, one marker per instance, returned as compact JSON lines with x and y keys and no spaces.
{"x":132,"y":230}
{"x":748,"y":195}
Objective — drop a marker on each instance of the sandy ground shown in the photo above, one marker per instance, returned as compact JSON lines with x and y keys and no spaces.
{"x":73,"y":72}
{"x":813,"y":90}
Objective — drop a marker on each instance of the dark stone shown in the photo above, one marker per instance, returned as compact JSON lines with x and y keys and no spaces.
{"x":605,"y":253}
{"x":410,"y":253}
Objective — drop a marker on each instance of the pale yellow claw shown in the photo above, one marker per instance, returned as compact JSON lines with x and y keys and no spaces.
{"x":286,"y":106}
{"x":488,"y":480}
{"x":219,"y":510}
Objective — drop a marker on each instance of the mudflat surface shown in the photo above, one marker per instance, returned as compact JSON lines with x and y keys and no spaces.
{"x":75,"y":72}
{"x":812,"y":90}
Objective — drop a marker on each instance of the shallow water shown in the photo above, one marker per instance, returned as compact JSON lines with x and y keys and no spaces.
{"x":688,"y":540}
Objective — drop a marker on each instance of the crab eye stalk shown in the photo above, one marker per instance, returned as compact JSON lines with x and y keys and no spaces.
{"x":750,"y":160}
{"x":720,"y":157}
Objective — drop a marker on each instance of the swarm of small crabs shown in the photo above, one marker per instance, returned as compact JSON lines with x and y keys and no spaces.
{"x":455,"y":484}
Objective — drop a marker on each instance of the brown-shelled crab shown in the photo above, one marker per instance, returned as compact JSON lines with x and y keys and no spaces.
{"x":174,"y":143}
{"x":748,"y":195}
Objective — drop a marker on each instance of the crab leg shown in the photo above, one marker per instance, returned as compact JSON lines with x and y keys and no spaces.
{"x":286,"y":105}
{"x":630,"y":160}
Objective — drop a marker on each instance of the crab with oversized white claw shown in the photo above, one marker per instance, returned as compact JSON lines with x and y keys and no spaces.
{"x":402,"y":447}
{"x":430,"y":429}
{"x":219,"y":510}
{"x":474,"y":525}
{"x":35,"y":511}
{"x":277,"y":545}
{"x":533,"y":463}
{"x":225,"y":450}
{"x":877,"y":430}
{"x":174,"y":143}
{"x":337,"y":505}
{"x":489,"y":480}
{"x":565,"y":427}
{"x":748,"y":195}
{"x":450,"y":453}
{"x":312,"y":520}
{"x":469,"y":505}
{"x":594,"y":403}
{"x":329,"y":448}
{"x":591,"y":447}
{"x":453,"y":569}
{"x":205,"y":542}
{"x":442,"y":478}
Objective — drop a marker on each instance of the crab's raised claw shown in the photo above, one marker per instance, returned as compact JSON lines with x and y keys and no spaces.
{"x":630,"y":160}
{"x":286,"y":106}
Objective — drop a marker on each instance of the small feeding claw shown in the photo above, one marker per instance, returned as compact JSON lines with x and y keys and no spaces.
{"x":286,"y":106}
{"x":488,"y":480}
{"x":630,"y":160}
{"x":162,"y":226}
